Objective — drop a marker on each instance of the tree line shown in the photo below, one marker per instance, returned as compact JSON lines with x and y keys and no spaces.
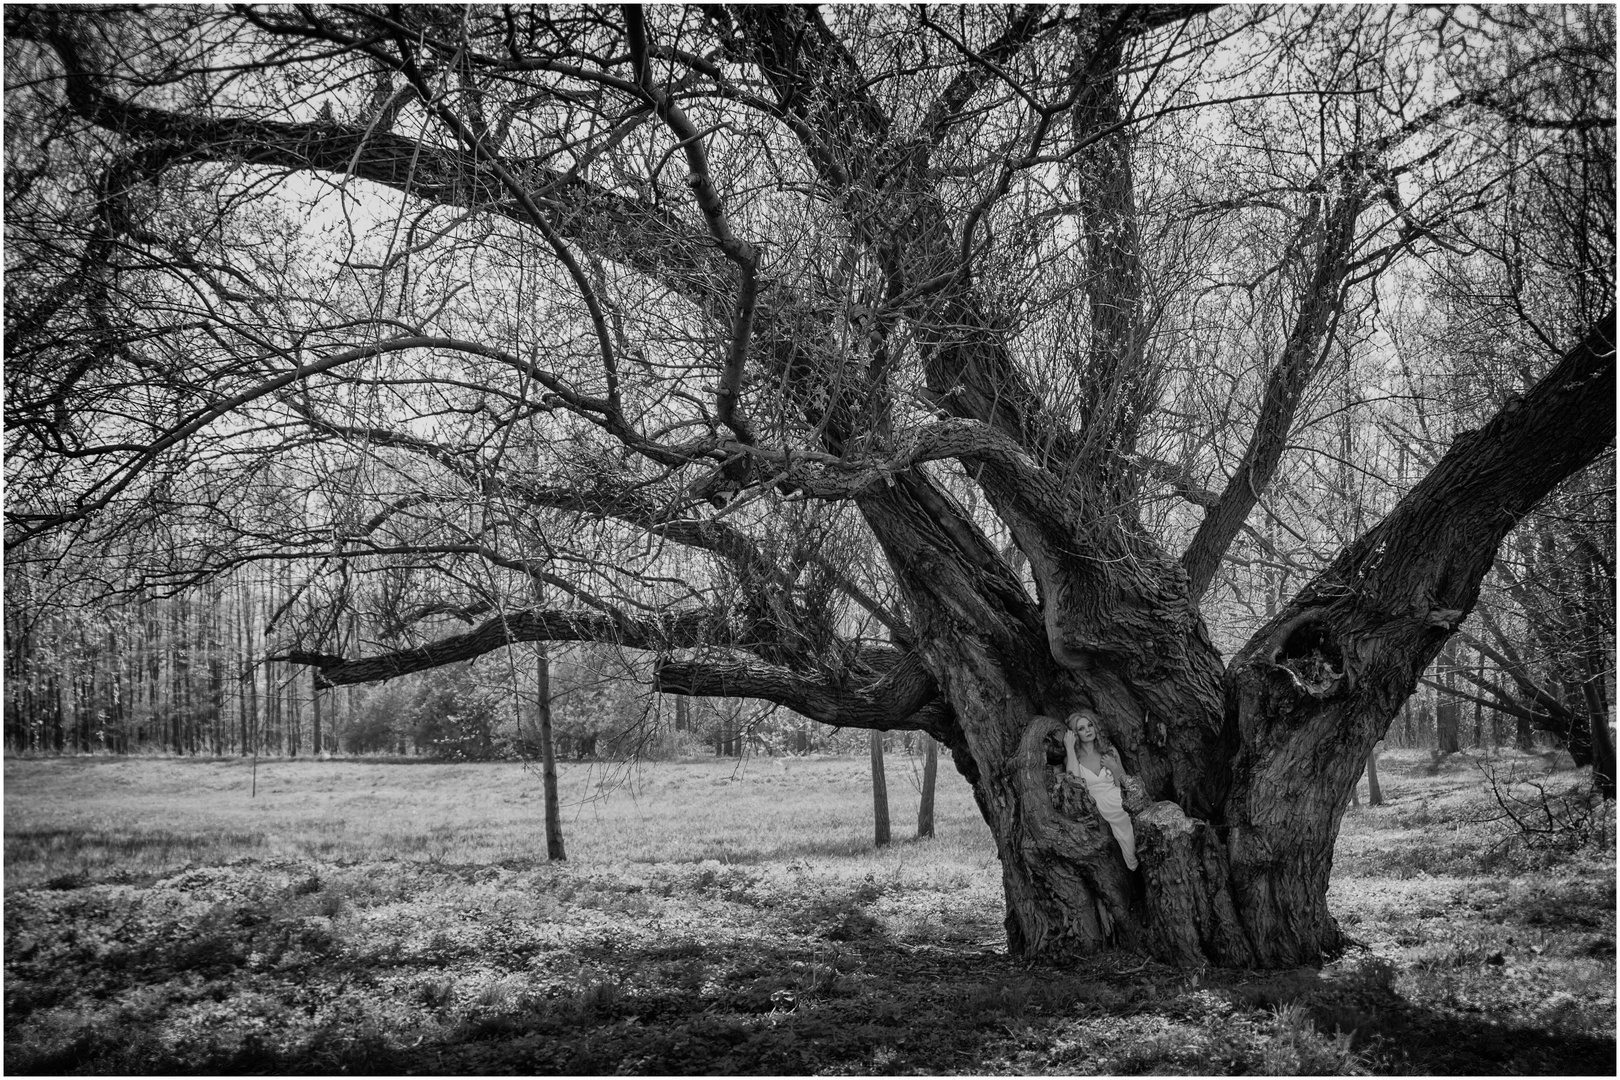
{"x":187,"y":675}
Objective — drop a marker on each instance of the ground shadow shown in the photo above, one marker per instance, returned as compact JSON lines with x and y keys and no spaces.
{"x":863,"y":1003}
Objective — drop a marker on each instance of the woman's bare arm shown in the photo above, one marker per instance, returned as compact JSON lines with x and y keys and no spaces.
{"x":1071,"y":763}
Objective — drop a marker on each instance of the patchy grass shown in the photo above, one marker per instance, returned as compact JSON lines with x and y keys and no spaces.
{"x":373,"y":917}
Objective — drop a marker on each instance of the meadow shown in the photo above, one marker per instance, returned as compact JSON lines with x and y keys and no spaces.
{"x":718,"y":916}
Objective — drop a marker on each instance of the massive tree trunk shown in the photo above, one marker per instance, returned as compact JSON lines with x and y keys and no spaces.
{"x":1246,"y":774}
{"x":1316,"y":688}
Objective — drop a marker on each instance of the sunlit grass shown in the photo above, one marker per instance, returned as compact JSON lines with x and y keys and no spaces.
{"x":1472,"y":917}
{"x":92,"y":816}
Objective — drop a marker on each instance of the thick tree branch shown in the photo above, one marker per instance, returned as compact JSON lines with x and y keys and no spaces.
{"x":685,"y":630}
{"x":1371,"y":623}
{"x":1318,"y":306}
{"x":1180,"y":481}
{"x":1487,"y":481}
{"x":819,"y":83}
{"x":886,"y":689}
{"x":904,"y":697}
{"x":1115,"y":368}
{"x":633,"y":231}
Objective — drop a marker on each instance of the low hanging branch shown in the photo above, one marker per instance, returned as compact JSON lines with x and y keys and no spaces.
{"x":905,"y":697}
{"x":890,"y":690}
{"x":674,"y":632}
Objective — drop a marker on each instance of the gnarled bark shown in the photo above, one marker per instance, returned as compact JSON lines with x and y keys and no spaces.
{"x":1317,"y":687}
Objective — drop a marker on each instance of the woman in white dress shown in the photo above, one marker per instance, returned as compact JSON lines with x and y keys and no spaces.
{"x":1100,"y":771}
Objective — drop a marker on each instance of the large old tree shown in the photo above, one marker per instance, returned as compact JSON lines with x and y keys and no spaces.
{"x":913,"y":368}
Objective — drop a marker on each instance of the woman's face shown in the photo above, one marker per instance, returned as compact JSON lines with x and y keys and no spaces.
{"x":1084,"y":728}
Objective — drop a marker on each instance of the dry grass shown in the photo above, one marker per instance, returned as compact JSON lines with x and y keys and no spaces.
{"x":88,"y":816}
{"x":373,"y":916}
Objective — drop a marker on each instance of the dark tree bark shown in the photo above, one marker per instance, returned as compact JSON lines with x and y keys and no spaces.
{"x":880,"y":793}
{"x":1378,"y":615}
{"x":548,"y":757}
{"x":1602,"y":745}
{"x":315,"y":721}
{"x":1447,"y":713}
{"x":925,"y":806}
{"x":1375,"y":793}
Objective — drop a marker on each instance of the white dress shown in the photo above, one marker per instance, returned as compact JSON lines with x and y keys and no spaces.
{"x":1111,"y":805}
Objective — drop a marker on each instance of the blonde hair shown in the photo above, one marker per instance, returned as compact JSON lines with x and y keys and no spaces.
{"x":1104,"y":743}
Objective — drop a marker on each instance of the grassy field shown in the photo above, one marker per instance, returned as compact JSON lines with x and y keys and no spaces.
{"x":717,"y":917}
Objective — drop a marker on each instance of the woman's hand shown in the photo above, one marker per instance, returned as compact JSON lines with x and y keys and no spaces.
{"x":1111,"y":759}
{"x":1068,"y":739}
